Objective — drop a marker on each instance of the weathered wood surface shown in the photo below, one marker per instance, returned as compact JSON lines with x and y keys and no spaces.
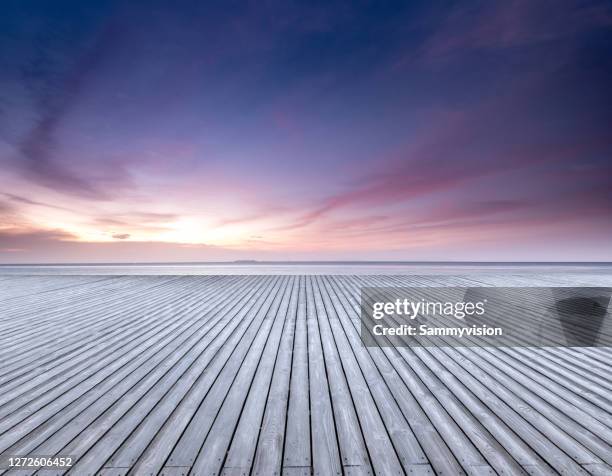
{"x":266,"y":375}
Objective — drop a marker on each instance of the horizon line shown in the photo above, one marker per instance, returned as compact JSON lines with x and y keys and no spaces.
{"x":311,"y":262}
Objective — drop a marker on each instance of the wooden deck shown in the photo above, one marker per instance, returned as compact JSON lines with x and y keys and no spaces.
{"x":266,"y":375}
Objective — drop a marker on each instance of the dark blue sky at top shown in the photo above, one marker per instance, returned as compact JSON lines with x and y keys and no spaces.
{"x":417,"y":125}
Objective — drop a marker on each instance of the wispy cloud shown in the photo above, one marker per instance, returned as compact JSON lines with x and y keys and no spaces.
{"x":493,"y":25}
{"x":32,"y":238}
{"x":148,"y":222}
{"x":27,"y":201}
{"x":41,"y":158}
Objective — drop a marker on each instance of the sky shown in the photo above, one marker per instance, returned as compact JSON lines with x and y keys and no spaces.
{"x":281,"y":130}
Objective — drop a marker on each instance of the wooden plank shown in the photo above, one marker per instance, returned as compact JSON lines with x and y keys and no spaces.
{"x":463,"y":446}
{"x":275,"y":362}
{"x":267,"y":375}
{"x":528,"y":364}
{"x":212,"y":455}
{"x":501,"y":431}
{"x":78,"y":326}
{"x":296,"y":471}
{"x":102,"y":399}
{"x":435,"y":448}
{"x":129,"y":437}
{"x":190,"y":443}
{"x":51,"y":373}
{"x":85,"y":380}
{"x":353,"y":451}
{"x":598,"y":469}
{"x":381,"y":448}
{"x":325,"y":450}
{"x":297,"y":438}
{"x":61,"y":395}
{"x":553,"y":431}
{"x":268,"y":458}
{"x":398,"y":428}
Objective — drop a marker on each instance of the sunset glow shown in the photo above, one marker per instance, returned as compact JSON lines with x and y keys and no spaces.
{"x":479,"y":132}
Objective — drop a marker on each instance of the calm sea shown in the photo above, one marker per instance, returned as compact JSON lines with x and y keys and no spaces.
{"x":305,"y":268}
